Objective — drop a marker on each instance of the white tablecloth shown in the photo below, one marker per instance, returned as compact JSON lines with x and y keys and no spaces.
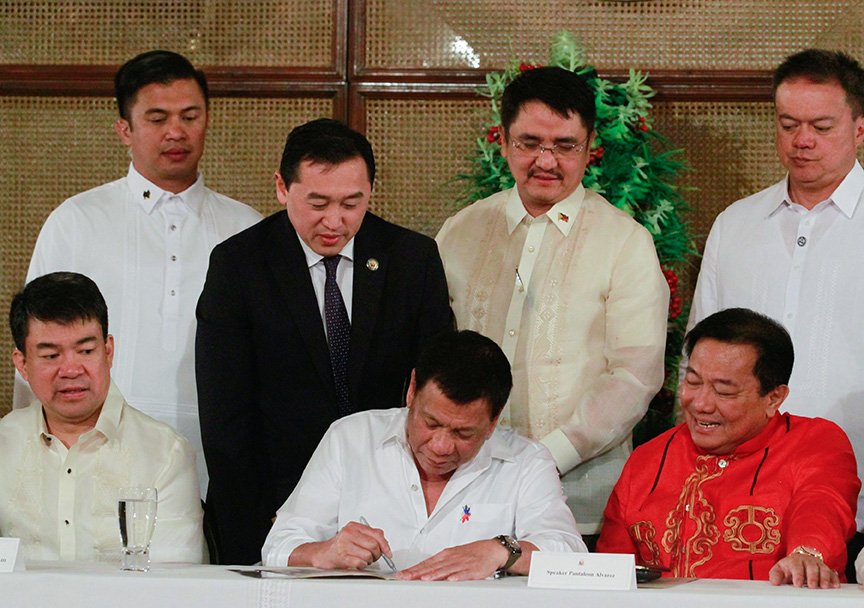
{"x":98,"y":585}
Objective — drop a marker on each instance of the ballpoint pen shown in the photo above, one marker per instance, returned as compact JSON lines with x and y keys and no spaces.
{"x":389,"y":561}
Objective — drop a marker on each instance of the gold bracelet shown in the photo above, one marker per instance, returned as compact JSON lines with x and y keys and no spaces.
{"x":808,"y":551}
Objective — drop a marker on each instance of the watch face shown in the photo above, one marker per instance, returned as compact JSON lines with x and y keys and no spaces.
{"x":510,"y":543}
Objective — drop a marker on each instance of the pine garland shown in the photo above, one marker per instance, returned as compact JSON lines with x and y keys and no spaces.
{"x":631,"y":165}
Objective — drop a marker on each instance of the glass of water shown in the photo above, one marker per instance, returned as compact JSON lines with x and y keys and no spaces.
{"x":136,"y":510}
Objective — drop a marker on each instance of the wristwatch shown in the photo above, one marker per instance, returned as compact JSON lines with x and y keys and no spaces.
{"x":512,"y":546}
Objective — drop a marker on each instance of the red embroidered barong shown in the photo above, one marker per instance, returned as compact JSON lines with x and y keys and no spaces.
{"x":736,"y":515}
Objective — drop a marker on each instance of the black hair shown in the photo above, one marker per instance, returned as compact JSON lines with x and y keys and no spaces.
{"x":466,"y":367}
{"x":324,"y":141}
{"x":59,"y":297}
{"x":774,"y":351}
{"x":823,"y":66}
{"x":564,"y":91}
{"x":163,"y":67}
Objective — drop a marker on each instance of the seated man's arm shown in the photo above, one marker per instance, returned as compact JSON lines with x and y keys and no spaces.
{"x":178,"y":536}
{"x":306,"y":531}
{"x":820,"y":517}
{"x":355,"y":546}
{"x":543,"y":522}
{"x":635,"y":339}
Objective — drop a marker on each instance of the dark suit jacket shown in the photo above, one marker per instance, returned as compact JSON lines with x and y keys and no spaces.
{"x":265,"y":387}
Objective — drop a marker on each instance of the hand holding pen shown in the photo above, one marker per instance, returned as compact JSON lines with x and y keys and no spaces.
{"x":387,"y":559}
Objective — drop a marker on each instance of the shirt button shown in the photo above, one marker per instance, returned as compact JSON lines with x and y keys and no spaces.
{"x":173,"y":258}
{"x":723,"y":464}
{"x":173,"y":226}
{"x":172,"y":292}
{"x":413,"y":487}
{"x":802,"y":240}
{"x":530,"y":248}
{"x":68,"y":471}
{"x":66,"y":521}
{"x":511,"y":333}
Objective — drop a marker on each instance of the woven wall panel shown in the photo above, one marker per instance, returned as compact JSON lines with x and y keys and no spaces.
{"x":730,"y":147}
{"x":245,"y":142}
{"x":55,"y":147}
{"x":661,"y":34}
{"x":209,"y":32}
{"x":420,"y":146}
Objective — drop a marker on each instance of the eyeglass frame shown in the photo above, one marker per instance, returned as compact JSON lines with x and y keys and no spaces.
{"x":555,"y":150}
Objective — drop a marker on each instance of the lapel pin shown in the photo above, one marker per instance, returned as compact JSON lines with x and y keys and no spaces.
{"x":372,"y":264}
{"x":146,"y":194}
{"x":563,"y":217}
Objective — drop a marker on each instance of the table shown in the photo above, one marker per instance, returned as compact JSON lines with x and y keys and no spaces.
{"x":98,"y":585}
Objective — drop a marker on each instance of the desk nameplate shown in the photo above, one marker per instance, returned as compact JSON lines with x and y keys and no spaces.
{"x":582,"y":571}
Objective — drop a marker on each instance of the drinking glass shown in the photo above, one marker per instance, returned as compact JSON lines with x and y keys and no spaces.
{"x":136,"y":510}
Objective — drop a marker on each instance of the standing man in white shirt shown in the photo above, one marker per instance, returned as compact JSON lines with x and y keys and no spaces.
{"x":567,"y":285}
{"x":435,"y":488}
{"x":64,"y":458}
{"x":794,"y":250}
{"x":146,"y":239}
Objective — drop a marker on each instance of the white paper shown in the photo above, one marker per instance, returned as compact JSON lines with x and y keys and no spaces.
{"x":582,"y":571}
{"x":9,"y":554}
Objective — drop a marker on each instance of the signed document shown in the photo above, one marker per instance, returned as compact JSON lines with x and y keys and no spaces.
{"x":311,"y":573}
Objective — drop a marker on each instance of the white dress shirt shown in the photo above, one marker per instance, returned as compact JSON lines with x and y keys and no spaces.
{"x":804,"y":269}
{"x":576,"y":300}
{"x":364,"y":467}
{"x":344,"y":275}
{"x":148,"y":252}
{"x":62,"y":503}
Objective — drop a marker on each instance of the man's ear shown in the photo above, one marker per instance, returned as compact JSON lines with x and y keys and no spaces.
{"x":412,"y":389}
{"x":281,"y":189}
{"x":777,"y":396}
{"x":502,"y":141}
{"x":109,"y":349}
{"x":19,"y":359}
{"x":122,"y":128}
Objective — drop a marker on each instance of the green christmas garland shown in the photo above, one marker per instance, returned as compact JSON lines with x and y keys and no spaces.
{"x":631,"y":165}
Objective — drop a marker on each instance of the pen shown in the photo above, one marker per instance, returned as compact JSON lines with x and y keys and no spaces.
{"x":389,"y":561}
{"x":519,"y":284}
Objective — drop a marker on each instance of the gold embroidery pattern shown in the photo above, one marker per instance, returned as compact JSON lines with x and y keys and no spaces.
{"x":752,"y":529}
{"x":686,"y":554}
{"x":643,"y":534}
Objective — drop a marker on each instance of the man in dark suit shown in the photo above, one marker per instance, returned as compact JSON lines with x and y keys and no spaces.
{"x":305,"y":317}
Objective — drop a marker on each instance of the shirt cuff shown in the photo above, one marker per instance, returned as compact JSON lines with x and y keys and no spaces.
{"x":563,"y":451}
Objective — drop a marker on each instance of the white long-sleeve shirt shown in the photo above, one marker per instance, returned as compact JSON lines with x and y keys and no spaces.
{"x":805,"y":269}
{"x":363,"y":467}
{"x":148,"y":251}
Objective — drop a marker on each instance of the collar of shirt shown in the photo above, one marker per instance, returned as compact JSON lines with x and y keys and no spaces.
{"x":107,"y":424}
{"x":845,"y":197}
{"x":561,"y":214}
{"x":313,"y":258}
{"x":493,"y":448}
{"x":148,"y":195}
{"x":775,"y":426}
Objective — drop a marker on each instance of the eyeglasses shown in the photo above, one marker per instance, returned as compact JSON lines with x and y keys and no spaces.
{"x":535,"y":149}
